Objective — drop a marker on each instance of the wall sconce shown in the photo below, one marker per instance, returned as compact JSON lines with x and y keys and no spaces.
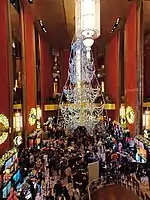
{"x":102,"y":86}
{"x":38,"y":117}
{"x":146,"y":119}
{"x":38,"y":113}
{"x":17,"y":122}
{"x":122,"y":111}
{"x":122,"y":116}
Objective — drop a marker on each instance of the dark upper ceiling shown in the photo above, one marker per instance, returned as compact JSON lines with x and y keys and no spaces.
{"x":58,"y":19}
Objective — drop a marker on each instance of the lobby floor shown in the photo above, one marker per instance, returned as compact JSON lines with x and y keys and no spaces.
{"x":114,"y":193}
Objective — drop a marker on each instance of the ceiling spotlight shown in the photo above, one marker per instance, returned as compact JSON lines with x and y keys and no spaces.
{"x":58,"y":71}
{"x":44,"y":30}
{"x":118,"y":20}
{"x":13,"y":45}
{"x":30,"y":1}
{"x":55,"y":79}
{"x":40,"y":22}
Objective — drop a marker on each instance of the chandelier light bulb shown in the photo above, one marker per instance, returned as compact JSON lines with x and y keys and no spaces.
{"x":88,"y":42}
{"x":87,"y":18}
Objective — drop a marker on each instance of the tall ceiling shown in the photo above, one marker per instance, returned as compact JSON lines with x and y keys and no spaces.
{"x":58,"y":18}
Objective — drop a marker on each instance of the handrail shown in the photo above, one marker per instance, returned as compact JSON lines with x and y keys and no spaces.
{"x":127,"y":181}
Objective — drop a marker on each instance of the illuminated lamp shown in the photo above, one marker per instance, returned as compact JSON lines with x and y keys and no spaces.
{"x":17,"y":122}
{"x":87,"y":21}
{"x":30,"y":1}
{"x":38,"y":113}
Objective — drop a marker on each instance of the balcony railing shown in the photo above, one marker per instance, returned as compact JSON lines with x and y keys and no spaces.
{"x":130,"y":182}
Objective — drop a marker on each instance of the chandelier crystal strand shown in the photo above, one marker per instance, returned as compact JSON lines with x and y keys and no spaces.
{"x":81,"y":90}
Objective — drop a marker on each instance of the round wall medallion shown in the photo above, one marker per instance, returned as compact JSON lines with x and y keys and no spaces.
{"x":4,"y":126}
{"x":130,"y":115}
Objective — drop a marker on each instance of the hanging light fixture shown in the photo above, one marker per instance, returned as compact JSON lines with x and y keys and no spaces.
{"x":80,"y":92}
{"x":87,"y":21}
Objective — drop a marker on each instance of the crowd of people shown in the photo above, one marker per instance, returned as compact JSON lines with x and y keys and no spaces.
{"x":60,"y":166}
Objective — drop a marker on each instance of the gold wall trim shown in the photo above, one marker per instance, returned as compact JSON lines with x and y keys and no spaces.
{"x":17,"y":106}
{"x":146,"y":105}
{"x":110,"y":106}
{"x":52,"y":107}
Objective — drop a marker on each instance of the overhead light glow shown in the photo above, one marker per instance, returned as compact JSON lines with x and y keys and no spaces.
{"x":41,"y":22}
{"x":118,"y":20}
{"x":30,"y":1}
{"x":116,"y":24}
{"x":44,"y":30}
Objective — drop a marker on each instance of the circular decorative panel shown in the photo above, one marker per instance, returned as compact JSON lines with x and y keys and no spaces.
{"x":130,"y":115}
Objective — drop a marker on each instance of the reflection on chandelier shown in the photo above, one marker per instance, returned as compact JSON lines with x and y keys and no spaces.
{"x":81,"y":90}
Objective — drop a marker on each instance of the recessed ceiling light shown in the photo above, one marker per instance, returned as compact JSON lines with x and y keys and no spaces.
{"x":30,"y":1}
{"x":41,"y":22}
{"x":44,"y":30}
{"x":118,"y":20}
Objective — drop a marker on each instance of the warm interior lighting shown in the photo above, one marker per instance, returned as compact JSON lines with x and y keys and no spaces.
{"x":98,"y":75}
{"x":44,"y":30}
{"x":38,"y":113}
{"x":116,"y":24}
{"x":118,"y":20}
{"x":122,"y":112}
{"x":30,"y":1}
{"x":55,"y":87}
{"x":87,"y":24}
{"x":146,"y":120}
{"x":17,"y":122}
{"x":42,"y":26}
{"x":41,"y":22}
{"x":102,"y":86}
{"x":87,"y":15}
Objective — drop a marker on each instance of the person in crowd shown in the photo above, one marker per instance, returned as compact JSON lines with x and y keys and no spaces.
{"x":13,"y":195}
{"x":67,"y":159}
{"x":76,"y":194}
{"x":58,"y":189}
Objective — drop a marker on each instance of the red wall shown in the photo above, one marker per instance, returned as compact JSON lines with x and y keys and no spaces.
{"x":46,"y":72}
{"x":131,"y":61}
{"x":4,"y":71}
{"x":112,"y":74}
{"x":29,"y":64}
{"x":64,"y":67}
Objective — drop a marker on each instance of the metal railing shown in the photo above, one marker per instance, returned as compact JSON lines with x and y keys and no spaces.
{"x":129,"y":182}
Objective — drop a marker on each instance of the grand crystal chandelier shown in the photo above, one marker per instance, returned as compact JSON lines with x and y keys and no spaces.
{"x":81,"y":90}
{"x":82,"y":87}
